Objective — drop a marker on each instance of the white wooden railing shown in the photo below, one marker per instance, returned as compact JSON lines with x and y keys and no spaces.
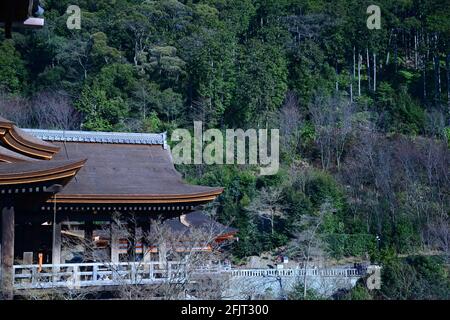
{"x":105,"y":274}
{"x":343,"y":272}
{"x":96,"y":274}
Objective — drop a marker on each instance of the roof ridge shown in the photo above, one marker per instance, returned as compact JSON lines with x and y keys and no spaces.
{"x":100,"y":137}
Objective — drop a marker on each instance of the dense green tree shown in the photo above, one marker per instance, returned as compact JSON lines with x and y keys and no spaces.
{"x":12,"y":69}
{"x":101,"y":113}
{"x":262,"y":83}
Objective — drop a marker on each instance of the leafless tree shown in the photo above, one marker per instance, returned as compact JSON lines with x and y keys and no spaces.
{"x":332,"y":118}
{"x":16,"y":109}
{"x":439,"y":231}
{"x":435,"y":123}
{"x":268,"y":205}
{"x":142,"y":95}
{"x":325,"y":208}
{"x":343,"y":129}
{"x":54,"y":110}
{"x":290,"y":123}
{"x":202,"y":110}
{"x":395,"y":178}
{"x":56,"y":294}
{"x":182,"y":255}
{"x":322,"y":118}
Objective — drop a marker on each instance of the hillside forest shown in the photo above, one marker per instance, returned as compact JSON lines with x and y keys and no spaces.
{"x":363,"y":115}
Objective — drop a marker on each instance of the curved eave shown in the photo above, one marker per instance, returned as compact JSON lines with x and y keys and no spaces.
{"x":5,"y":124}
{"x":34,"y":174}
{"x":9,"y":156}
{"x":23,"y":143}
{"x":197,"y":198}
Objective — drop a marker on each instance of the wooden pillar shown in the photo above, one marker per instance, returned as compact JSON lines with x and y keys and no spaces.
{"x":114,"y":243}
{"x":7,"y":252}
{"x":56,"y":243}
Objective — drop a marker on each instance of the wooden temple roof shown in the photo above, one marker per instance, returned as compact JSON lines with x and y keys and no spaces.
{"x":121,"y":168}
{"x":26,"y":172}
{"x":115,"y":173}
{"x":9,"y":156}
{"x":5,"y":122}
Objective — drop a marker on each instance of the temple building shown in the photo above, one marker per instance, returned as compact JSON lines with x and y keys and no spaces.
{"x":50,"y":180}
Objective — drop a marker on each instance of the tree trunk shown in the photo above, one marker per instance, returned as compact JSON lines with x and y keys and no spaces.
{"x":359,"y":74}
{"x":416,"y":54}
{"x":437,"y":79}
{"x":131,"y":251}
{"x":337,"y":78}
{"x":374,"y":72}
{"x":448,"y":80}
{"x":368,"y":70}
{"x":351,"y":89}
{"x":396,"y":54}
{"x":271,"y":221}
{"x":439,"y":76}
{"x":424,"y":76}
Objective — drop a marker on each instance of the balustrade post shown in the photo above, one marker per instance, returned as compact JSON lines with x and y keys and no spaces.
{"x":76,"y":277}
{"x":34,"y":274}
{"x":133,"y":273}
{"x":95,"y":272}
{"x":169,"y":271}
{"x":152,"y":271}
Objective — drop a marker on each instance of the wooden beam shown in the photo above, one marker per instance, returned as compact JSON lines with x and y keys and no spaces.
{"x":7,"y":252}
